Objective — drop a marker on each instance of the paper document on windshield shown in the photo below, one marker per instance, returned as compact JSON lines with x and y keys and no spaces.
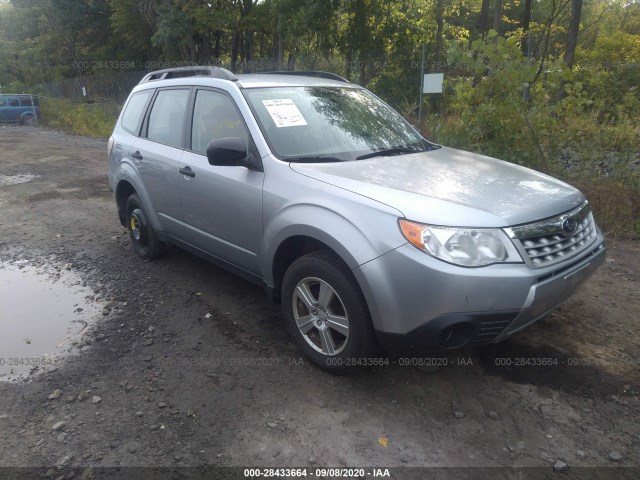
{"x":284,"y":113}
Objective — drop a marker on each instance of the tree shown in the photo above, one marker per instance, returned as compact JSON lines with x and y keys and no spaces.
{"x":572,"y":40}
{"x":497,"y":16}
{"x":572,"y":33}
{"x":130,"y":22}
{"x":526,"y":24}
{"x":439,"y":11}
{"x":483,"y":23}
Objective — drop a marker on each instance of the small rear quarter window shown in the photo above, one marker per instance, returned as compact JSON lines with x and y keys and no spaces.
{"x":132,"y":116}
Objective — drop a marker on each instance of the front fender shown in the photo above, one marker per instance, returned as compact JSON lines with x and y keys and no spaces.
{"x":127,"y":173}
{"x":355,"y":242}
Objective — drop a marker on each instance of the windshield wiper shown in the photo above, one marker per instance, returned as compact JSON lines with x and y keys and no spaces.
{"x":389,"y":151}
{"x":316,"y":159}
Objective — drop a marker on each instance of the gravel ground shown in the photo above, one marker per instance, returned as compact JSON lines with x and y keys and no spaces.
{"x":188,"y":365}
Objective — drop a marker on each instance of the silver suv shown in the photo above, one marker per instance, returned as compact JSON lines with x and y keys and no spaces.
{"x":367,"y":233}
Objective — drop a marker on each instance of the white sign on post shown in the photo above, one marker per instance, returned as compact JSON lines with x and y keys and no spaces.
{"x":432,"y":83}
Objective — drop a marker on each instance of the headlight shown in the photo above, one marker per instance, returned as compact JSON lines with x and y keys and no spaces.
{"x":469,"y":247}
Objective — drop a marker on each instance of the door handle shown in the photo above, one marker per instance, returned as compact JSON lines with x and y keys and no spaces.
{"x":137,"y":156}
{"x":187,"y":171}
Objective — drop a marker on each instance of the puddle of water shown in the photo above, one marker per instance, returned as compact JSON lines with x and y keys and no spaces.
{"x":16,"y":179}
{"x":42,"y":312}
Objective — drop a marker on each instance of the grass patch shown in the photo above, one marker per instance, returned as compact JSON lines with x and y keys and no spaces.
{"x":91,"y":120}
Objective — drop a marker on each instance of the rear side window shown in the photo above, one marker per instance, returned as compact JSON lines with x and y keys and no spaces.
{"x":167,"y":117}
{"x":26,"y":102}
{"x":13,"y":102}
{"x":3,"y":102}
{"x":133,"y":112}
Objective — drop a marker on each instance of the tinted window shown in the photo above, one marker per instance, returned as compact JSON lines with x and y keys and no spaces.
{"x":13,"y":102}
{"x":215,"y":116}
{"x":3,"y":102}
{"x":167,"y":117}
{"x":25,"y":102}
{"x":133,"y":111}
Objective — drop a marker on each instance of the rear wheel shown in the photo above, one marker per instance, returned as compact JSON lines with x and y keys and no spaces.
{"x":143,"y":238}
{"x":28,"y":120}
{"x":326,"y":313}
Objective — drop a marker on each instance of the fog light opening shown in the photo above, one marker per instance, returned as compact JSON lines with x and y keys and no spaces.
{"x":456,"y":335}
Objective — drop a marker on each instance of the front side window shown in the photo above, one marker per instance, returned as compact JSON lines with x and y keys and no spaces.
{"x":329,"y":123}
{"x":133,"y":112}
{"x":13,"y":102}
{"x":215,"y":116}
{"x":3,"y":102}
{"x":167,"y":117}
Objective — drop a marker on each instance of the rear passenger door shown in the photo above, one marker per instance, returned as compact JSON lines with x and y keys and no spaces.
{"x":221,"y":206}
{"x":158,"y":150}
{"x":15,"y":111}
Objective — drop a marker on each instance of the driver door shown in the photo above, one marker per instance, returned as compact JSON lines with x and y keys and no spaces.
{"x":221,"y":206}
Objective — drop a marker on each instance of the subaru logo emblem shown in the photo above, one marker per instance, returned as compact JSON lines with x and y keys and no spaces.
{"x":569,"y":225}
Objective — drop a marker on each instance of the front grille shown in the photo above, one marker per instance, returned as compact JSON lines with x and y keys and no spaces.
{"x":549,"y":249}
{"x":547,"y":243}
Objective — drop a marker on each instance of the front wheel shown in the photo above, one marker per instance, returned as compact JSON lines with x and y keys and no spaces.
{"x":144,"y":239}
{"x":326,"y":313}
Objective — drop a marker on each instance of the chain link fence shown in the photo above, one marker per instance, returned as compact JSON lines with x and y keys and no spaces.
{"x":102,"y":88}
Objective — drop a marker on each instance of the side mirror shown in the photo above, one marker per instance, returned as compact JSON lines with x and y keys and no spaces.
{"x":227,"y":152}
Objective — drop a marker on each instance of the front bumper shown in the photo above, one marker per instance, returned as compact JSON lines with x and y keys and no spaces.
{"x":420,"y":303}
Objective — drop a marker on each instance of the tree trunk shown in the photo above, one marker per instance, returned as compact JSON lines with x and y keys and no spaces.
{"x":235,"y":46}
{"x":439,"y":30}
{"x":526,"y":22}
{"x":483,"y":23}
{"x":276,"y":54}
{"x":572,"y":34}
{"x":291,"y":61}
{"x":249,"y":51}
{"x":572,"y":38}
{"x":497,"y":16}
{"x":216,"y":44}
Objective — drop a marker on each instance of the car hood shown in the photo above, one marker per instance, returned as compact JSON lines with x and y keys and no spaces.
{"x":451,"y":187}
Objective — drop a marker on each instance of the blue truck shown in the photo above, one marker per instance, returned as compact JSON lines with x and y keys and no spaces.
{"x":19,"y":108}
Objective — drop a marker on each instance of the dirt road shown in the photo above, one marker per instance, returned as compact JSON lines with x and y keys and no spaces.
{"x":189,"y":366}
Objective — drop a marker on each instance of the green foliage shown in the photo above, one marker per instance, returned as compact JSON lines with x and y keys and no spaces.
{"x":172,"y":32}
{"x":92,"y":120}
{"x":15,"y":87}
{"x":530,"y":109}
{"x":571,"y":137}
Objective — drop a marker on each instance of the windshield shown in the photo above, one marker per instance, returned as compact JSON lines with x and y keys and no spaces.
{"x":309,"y":124}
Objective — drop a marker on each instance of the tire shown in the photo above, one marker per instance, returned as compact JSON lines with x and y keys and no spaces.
{"x":326,"y":314}
{"x":28,"y":120}
{"x":143,"y":238}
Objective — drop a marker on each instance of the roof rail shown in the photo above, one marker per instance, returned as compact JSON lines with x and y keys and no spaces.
{"x":309,"y":73}
{"x":195,"y":71}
